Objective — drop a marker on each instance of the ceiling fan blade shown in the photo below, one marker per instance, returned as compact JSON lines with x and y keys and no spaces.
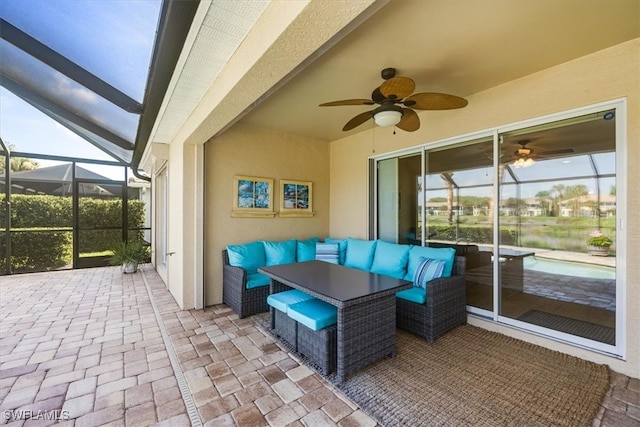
{"x":400,"y":87}
{"x":552,"y":152}
{"x":348,"y":102}
{"x":357,"y":120}
{"x":377,"y":96}
{"x":410,"y":121}
{"x":435,"y":101}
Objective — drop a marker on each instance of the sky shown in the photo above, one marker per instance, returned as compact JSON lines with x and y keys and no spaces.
{"x":110,"y":38}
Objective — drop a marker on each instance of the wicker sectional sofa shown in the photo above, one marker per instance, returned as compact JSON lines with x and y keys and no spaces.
{"x":429,"y":311}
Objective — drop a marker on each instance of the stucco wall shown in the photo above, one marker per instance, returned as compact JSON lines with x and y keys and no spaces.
{"x":609,"y":74}
{"x":247,"y":150}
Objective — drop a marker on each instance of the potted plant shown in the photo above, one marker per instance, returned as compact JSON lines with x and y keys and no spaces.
{"x":129,"y":254}
{"x":598,"y":244}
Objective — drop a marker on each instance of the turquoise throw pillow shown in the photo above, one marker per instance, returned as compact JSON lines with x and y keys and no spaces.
{"x":416,"y":252}
{"x":306,"y":249}
{"x":248,"y":256}
{"x":280,"y":252}
{"x":342,"y":243}
{"x":360,"y":253}
{"x":390,"y":259}
{"x":328,"y":252}
{"x":427,"y":270}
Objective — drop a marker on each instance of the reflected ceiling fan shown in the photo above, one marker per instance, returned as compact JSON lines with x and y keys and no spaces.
{"x":524,"y":156}
{"x":397,"y":104}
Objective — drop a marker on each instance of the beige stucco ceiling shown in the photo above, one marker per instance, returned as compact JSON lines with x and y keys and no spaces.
{"x":458,"y":47}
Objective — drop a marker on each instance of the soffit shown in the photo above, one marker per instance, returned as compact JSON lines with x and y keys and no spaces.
{"x":221,"y":28}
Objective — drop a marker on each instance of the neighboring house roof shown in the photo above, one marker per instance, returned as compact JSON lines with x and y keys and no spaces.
{"x":53,"y":179}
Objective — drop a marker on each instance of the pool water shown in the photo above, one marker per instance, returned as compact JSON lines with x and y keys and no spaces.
{"x":569,"y":268}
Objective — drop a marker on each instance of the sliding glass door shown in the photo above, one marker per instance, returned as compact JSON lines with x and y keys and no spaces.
{"x":526,"y":205}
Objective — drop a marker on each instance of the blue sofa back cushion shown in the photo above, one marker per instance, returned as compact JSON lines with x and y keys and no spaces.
{"x":428,"y":270}
{"x":280,"y":252}
{"x":390,"y":259}
{"x":328,"y":252}
{"x":306,"y":249}
{"x":342,"y":244}
{"x":248,"y":256}
{"x":417,"y":252}
{"x":360,"y":253}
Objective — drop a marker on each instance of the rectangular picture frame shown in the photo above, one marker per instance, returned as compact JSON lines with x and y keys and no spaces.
{"x":252,"y":197}
{"x":296,"y":198}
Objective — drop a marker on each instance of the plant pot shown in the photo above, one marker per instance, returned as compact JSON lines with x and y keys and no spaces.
{"x":129,"y":267}
{"x":598,"y":250}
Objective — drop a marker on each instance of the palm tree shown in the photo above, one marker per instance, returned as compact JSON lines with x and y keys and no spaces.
{"x":575,"y":192}
{"x":558,"y":190}
{"x":543,"y":197}
{"x":447,"y":182}
{"x":19,"y":163}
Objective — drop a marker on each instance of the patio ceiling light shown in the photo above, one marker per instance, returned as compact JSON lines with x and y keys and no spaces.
{"x":387,"y":118}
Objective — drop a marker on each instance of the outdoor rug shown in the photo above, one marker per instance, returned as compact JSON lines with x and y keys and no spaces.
{"x":580,"y":328}
{"x":475,"y":377}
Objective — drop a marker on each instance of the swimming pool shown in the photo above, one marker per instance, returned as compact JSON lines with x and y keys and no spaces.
{"x":568,"y":268}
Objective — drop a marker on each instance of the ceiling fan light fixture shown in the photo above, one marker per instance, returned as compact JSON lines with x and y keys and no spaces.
{"x":387,"y":118}
{"x":523,"y":162}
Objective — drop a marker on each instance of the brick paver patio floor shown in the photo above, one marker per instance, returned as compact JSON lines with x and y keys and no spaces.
{"x":96,"y":347}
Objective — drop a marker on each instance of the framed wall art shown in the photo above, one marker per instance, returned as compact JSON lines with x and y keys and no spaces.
{"x":252,"y":197}
{"x":296,"y":198}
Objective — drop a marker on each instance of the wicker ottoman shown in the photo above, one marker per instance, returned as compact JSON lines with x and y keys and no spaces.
{"x":320,"y":347}
{"x":282,"y":325}
{"x":286,"y":328}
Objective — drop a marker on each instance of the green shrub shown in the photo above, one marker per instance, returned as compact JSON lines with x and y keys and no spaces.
{"x":37,"y":250}
{"x":45,"y":250}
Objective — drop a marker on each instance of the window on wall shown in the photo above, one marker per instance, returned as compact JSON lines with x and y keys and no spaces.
{"x":534,"y":211}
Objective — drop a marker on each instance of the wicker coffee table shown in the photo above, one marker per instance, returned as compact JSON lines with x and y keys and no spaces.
{"x":366,"y":305}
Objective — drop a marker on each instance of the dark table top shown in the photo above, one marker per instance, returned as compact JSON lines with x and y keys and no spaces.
{"x":334,"y":281}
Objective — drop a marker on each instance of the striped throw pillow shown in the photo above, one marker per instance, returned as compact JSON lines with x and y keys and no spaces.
{"x":428,"y":269}
{"x":328,"y":252}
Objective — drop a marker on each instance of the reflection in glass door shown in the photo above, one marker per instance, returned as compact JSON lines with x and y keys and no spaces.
{"x":534,"y":211}
{"x":558,"y":189}
{"x":397,"y":213}
{"x":459,"y":210}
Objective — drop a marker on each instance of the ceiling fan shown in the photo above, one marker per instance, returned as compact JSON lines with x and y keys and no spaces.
{"x":397,"y":105}
{"x":524,"y":156}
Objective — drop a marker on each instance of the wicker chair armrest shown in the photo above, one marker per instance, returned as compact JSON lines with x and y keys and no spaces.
{"x":445,"y":289}
{"x":234,"y":274}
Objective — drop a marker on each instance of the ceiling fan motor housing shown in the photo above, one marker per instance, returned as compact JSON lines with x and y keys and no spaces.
{"x":388,"y":73}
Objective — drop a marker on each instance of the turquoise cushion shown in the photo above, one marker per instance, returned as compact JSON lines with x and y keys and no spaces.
{"x":306,"y":249}
{"x":249,"y":256}
{"x":417,"y":252}
{"x":417,"y":295}
{"x":280,"y":252}
{"x":343,"y":248}
{"x":328,"y":252}
{"x":256,"y":280}
{"x":282,"y":300}
{"x":314,"y":314}
{"x":390,"y":259}
{"x":427,"y":270}
{"x":360,"y":253}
